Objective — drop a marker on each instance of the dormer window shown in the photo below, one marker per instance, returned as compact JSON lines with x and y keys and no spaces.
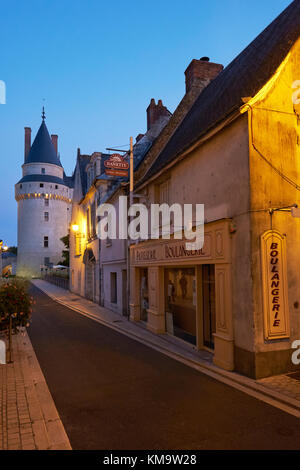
{"x":43,"y":171}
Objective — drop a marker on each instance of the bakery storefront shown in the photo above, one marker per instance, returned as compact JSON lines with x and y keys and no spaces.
{"x":186,"y":294}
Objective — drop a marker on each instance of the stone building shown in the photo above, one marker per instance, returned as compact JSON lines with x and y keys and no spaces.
{"x":44,"y":196}
{"x":237,"y":152}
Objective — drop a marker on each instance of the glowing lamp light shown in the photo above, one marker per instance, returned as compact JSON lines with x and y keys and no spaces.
{"x":75,"y":228}
{"x":5,"y":248}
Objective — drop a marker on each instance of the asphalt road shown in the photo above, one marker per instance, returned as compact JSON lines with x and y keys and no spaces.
{"x":114,"y":393}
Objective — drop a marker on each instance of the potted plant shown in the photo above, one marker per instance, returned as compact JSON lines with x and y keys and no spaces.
{"x":15,"y":309}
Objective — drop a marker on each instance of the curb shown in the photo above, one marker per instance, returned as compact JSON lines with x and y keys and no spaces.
{"x":48,"y":429}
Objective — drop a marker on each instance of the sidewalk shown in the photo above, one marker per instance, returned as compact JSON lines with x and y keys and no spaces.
{"x":28,"y":416}
{"x":281,"y":391}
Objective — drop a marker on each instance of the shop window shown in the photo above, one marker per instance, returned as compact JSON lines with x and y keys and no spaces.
{"x":181,"y":303}
{"x":113,"y":288}
{"x":209,"y":304}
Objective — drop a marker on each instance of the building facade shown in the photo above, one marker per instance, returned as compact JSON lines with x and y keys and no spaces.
{"x":236,"y":152}
{"x":44,"y":196}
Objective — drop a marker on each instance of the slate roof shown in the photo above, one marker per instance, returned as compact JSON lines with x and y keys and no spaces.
{"x":42,"y":149}
{"x":83,"y":160}
{"x":243,"y":77}
{"x":43,"y":179}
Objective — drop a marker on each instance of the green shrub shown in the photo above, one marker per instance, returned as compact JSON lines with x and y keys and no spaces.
{"x":15,"y":303}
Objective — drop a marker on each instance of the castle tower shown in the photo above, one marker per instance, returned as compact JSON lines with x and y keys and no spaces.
{"x":44,"y":197}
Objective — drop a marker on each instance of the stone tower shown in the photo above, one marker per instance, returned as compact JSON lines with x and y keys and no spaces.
{"x":44,"y":197}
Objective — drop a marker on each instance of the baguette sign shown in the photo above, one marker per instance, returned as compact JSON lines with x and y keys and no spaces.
{"x":116,"y":162}
{"x":275,"y":294}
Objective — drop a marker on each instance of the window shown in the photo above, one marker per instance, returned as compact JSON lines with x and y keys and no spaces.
{"x":46,"y":242}
{"x":43,"y":171}
{"x":46,"y":261}
{"x":46,"y":216}
{"x":46,"y":202}
{"x":88,"y":223}
{"x":41,"y":185}
{"x":56,"y":187}
{"x":93,"y":219}
{"x":113,"y":288}
{"x":180,"y":297}
{"x":20,"y":186}
{"x":164,"y":193}
{"x":77,"y":244}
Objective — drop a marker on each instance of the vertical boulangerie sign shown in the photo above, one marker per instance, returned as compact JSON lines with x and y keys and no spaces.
{"x":275,"y":290}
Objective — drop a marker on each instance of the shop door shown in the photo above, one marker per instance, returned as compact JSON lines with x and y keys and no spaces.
{"x":208,"y":304}
{"x":89,"y":281}
{"x":144,"y":299}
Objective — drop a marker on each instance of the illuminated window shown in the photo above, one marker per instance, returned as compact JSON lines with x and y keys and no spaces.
{"x":77,"y":244}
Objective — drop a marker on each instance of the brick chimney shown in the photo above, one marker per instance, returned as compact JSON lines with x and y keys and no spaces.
{"x":200,"y":73}
{"x":27,"y":141}
{"x":155,"y":111}
{"x":54,"y":138}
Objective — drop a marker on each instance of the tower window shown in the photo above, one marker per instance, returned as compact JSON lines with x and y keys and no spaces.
{"x":41,"y":185}
{"x":46,"y":216}
{"x":43,"y":171}
{"x":46,"y":242}
{"x":46,"y":202}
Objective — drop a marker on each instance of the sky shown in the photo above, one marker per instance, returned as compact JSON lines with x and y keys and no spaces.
{"x":96,"y":64}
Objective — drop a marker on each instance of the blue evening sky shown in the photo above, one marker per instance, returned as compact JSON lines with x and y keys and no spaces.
{"x":98,"y":63}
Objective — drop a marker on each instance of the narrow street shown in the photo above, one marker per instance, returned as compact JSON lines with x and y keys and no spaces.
{"x":114,"y":393}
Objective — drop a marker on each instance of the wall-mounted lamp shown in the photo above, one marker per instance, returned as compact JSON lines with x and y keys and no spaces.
{"x":75,"y":228}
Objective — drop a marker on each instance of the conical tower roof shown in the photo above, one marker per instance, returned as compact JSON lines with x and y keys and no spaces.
{"x":42,"y":149}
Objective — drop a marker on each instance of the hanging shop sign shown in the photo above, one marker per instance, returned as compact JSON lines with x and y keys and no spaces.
{"x":275,"y":291}
{"x":117,"y":162}
{"x":110,"y":172}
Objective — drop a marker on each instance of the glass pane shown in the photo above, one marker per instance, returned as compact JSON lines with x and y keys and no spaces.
{"x":181,"y":303}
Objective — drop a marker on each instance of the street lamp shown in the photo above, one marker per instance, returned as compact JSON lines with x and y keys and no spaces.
{"x":2,"y":248}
